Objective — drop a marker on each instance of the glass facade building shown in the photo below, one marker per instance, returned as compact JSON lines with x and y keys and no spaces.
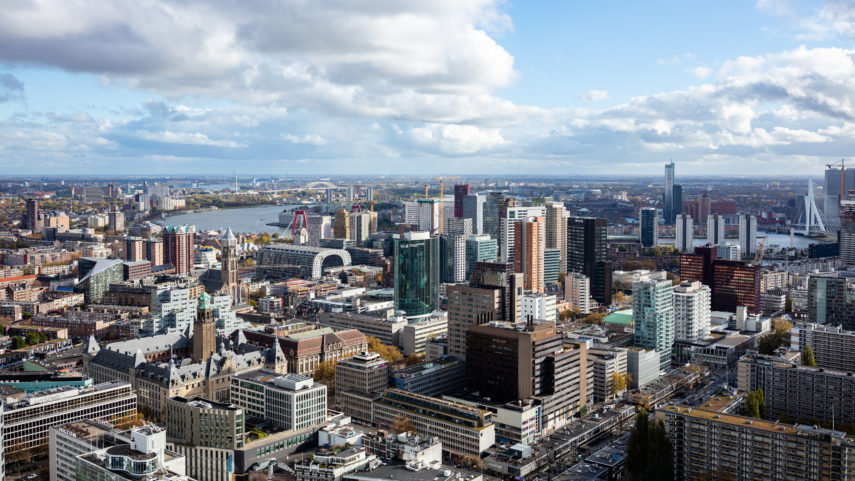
{"x":416,"y":273}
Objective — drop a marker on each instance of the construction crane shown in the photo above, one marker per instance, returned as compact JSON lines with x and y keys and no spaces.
{"x":842,"y":177}
{"x":758,"y":257}
{"x":427,"y":186}
{"x":441,"y":180}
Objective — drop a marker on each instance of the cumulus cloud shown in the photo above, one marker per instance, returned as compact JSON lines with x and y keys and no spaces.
{"x":10,"y":88}
{"x":305,"y":139}
{"x":456,"y":139}
{"x":594,"y":96}
{"x":190,"y":138}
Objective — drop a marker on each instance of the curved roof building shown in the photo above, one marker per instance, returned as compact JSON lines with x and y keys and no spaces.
{"x":310,"y":260}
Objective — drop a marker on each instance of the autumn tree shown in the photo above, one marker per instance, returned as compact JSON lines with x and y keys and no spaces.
{"x":403,"y":424}
{"x":808,"y":358}
{"x":619,"y":383}
{"x":415,"y":358}
{"x":389,"y":353}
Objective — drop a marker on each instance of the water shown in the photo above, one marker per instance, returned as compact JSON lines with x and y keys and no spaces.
{"x":244,"y":219}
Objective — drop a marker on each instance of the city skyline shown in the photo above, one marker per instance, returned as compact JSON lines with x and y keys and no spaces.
{"x":459,"y":87}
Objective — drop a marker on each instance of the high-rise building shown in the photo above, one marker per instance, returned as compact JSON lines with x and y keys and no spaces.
{"x":735,"y":284}
{"x":320,"y":227}
{"x":727,"y":251}
{"x":653,"y":316}
{"x":704,"y":207}
{"x":429,"y":215}
{"x":556,"y":230}
{"x":847,"y":231}
{"x":135,"y":249}
{"x":685,"y":233}
{"x":748,"y":235}
{"x":459,"y":226}
{"x":715,"y":229}
{"x":452,"y":254}
{"x":577,"y":290}
{"x":698,"y":266}
{"x":500,"y":275}
{"x":207,"y":433}
{"x":707,"y":443}
{"x":678,"y":202}
{"x":511,"y":215}
{"x":178,"y":247}
{"x":460,"y":192}
{"x":649,"y":232}
{"x":692,"y":302}
{"x":668,"y":211}
{"x":528,"y":252}
{"x":479,"y":248}
{"x":538,"y":306}
{"x":509,"y":364}
{"x":33,"y":219}
{"x":468,"y":306}
{"x":551,"y":265}
{"x":115,"y":220}
{"x":829,"y":301}
{"x":493,"y":207}
{"x":416,"y":273}
{"x":587,"y":242}
{"x":360,"y":226}
{"x":95,"y":275}
{"x":832,"y":183}
{"x":833,"y":347}
{"x":473,"y":208}
{"x":341,"y":228}
{"x":229,"y":269}
{"x":154,"y":251}
{"x":290,"y":401}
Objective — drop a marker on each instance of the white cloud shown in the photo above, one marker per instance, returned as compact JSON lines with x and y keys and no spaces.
{"x":594,"y":96}
{"x":457,"y":139}
{"x":305,"y":139}
{"x":701,"y":72}
{"x":188,"y":138}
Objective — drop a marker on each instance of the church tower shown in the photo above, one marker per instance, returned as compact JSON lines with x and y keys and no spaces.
{"x":204,"y":330}
{"x":229,"y":270}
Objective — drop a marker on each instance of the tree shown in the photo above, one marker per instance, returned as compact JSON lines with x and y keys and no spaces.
{"x":807,"y":357}
{"x":389,"y":353}
{"x":761,"y":402}
{"x":325,"y":374}
{"x":618,"y":383}
{"x":755,"y":404}
{"x":649,"y":451}
{"x":402,"y":424}
{"x":619,"y":298}
{"x":18,"y":342}
{"x":415,"y":358}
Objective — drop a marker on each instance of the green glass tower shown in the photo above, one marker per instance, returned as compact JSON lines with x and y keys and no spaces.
{"x":416,"y":272}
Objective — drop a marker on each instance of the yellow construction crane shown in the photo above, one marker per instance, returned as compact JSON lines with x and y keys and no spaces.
{"x":758,"y":258}
{"x":427,"y":186}
{"x":441,"y":180}
{"x":842,"y":177}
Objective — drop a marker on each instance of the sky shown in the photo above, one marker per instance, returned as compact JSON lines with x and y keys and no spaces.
{"x":443,"y":87}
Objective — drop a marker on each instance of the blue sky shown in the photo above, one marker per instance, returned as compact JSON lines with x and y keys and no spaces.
{"x":443,"y":87}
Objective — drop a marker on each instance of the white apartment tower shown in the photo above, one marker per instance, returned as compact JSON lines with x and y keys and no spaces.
{"x":685,"y":233}
{"x":691,"y":311}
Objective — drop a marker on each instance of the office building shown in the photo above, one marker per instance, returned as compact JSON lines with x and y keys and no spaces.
{"x":479,"y":248}
{"x":748,"y":235}
{"x":135,"y":249}
{"x":492,"y":275}
{"x":528,"y":251}
{"x":643,"y":365}
{"x":445,"y":375}
{"x":509,"y":363}
{"x":685,"y":234}
{"x":115,"y":220}
{"x":551,"y":265}
{"x":473,"y":209}
{"x":341,"y":225}
{"x":653,"y":316}
{"x":416,"y":273}
{"x":206,"y":433}
{"x":728,"y":252}
{"x":360,"y":380}
{"x":494,"y":205}
{"x":144,"y":457}
{"x":460,"y":193}
{"x":692,"y":302}
{"x":577,"y":290}
{"x":289,"y":401}
{"x":556,"y":231}
{"x":649,"y":231}
{"x":605,"y":364}
{"x":178,"y":247}
{"x":33,"y":219}
{"x":735,"y":283}
{"x":452,"y":253}
{"x":27,"y":423}
{"x":95,"y":276}
{"x":430,"y":213}
{"x":587,"y":243}
{"x":698,"y":266}
{"x":797,"y":391}
{"x":468,"y":306}
{"x":461,"y":429}
{"x":705,"y":442}
{"x":360,"y":226}
{"x":76,"y":438}
{"x":415,"y":335}
{"x":387,"y":330}
{"x":304,"y":351}
{"x":715,"y":229}
{"x":458,"y":226}
{"x":847,"y":231}
{"x":678,"y":201}
{"x":511,"y":215}
{"x":833,"y":347}
{"x":669,"y":210}
{"x":538,"y":306}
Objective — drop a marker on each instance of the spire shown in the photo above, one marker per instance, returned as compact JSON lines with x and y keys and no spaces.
{"x":229,"y":237}
{"x":139,"y":358}
{"x":241,"y":338}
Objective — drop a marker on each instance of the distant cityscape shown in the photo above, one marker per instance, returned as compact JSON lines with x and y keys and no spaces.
{"x":428,"y":328}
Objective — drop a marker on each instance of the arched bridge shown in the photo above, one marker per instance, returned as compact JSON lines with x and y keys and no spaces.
{"x":319,"y":185}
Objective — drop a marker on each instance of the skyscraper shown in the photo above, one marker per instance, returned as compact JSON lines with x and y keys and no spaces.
{"x":501,"y":276}
{"x":735,"y":284}
{"x":677,"y":208}
{"x":115,"y":220}
{"x":360,"y":226}
{"x":134,"y":249}
{"x":468,"y":306}
{"x":556,"y":229}
{"x":492,"y":213}
{"x":685,"y":233}
{"x":587,"y":242}
{"x":416,"y":273}
{"x":847,"y":231}
{"x":460,"y":193}
{"x":692,"y":303}
{"x":452,"y":253}
{"x":528,"y":252}
{"x":473,"y":208}
{"x":33,"y":219}
{"x":512,"y":214}
{"x":715,"y":229}
{"x":653,"y":316}
{"x":748,"y":235}
{"x":341,"y":227}
{"x":479,"y":248}
{"x":649,"y":232}
{"x":698,"y":266}
{"x":668,"y":211}
{"x":577,"y":289}
{"x":178,"y":247}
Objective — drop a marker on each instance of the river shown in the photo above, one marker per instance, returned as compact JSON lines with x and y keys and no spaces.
{"x":242,"y":219}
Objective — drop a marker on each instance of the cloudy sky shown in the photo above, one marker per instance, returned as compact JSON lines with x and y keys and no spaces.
{"x":412,"y":86}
